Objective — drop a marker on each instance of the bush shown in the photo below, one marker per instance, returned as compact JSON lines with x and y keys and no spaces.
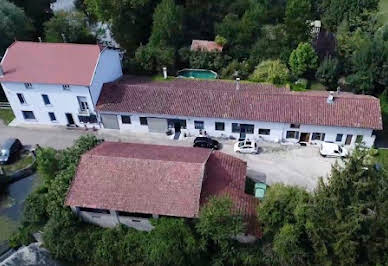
{"x":327,"y":72}
{"x":220,"y":40}
{"x":272,"y":71}
{"x":300,"y":85}
{"x":236,"y":69}
{"x":303,"y":60}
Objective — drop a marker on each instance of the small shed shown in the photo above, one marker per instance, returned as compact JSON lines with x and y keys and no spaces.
{"x":207,"y":46}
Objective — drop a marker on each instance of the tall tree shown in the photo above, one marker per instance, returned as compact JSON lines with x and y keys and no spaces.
{"x":303,"y":60}
{"x":73,"y":25}
{"x":13,"y":25}
{"x":298,"y":13}
{"x":130,"y":20}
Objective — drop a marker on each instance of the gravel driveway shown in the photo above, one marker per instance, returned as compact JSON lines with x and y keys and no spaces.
{"x":293,"y":165}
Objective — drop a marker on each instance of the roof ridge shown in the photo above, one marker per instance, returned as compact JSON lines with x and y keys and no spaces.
{"x":141,"y":159}
{"x":56,"y":43}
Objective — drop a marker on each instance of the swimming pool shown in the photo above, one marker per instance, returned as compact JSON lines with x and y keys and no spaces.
{"x":197,"y":73}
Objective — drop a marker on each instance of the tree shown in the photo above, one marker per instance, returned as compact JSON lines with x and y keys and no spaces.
{"x":166,"y":34}
{"x":130,"y":20}
{"x":48,"y":163}
{"x":348,"y":214}
{"x":13,"y":25}
{"x":298,"y":13}
{"x":303,"y":60}
{"x":173,"y":242}
{"x":72,"y":24}
{"x":327,"y":72}
{"x":272,"y":71}
{"x":220,"y":40}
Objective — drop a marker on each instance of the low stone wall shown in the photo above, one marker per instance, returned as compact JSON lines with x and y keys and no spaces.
{"x":20,"y":174}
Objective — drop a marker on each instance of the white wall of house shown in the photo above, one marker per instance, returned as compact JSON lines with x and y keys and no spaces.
{"x":278,"y":131}
{"x":61,"y":102}
{"x":108,"y":69}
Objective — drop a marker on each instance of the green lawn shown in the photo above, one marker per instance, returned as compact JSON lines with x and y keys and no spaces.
{"x":317,"y":86}
{"x":6,"y":115}
{"x":383,"y":158}
{"x":7,"y":227}
{"x":25,"y":161}
{"x":383,"y":14}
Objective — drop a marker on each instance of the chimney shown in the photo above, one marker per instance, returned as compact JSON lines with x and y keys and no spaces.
{"x":1,"y":71}
{"x":63,"y":37}
{"x":40,"y":39}
{"x":338,"y":90}
{"x":165,"y":72}
{"x":237,"y":84}
{"x":330,"y":99}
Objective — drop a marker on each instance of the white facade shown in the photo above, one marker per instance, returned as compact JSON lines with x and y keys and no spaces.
{"x":277,"y":131}
{"x":63,"y":100}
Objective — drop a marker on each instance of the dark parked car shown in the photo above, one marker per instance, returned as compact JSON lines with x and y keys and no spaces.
{"x":10,"y":150}
{"x":206,"y":142}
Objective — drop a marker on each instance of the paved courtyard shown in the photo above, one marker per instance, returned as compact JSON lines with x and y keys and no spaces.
{"x":293,"y":165}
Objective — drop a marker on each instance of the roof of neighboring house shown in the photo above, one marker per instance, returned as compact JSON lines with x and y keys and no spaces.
{"x":50,"y":63}
{"x":220,"y":99}
{"x":202,"y":45}
{"x":140,"y":178}
{"x":225,"y":176}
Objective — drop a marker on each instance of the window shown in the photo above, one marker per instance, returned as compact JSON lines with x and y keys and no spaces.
{"x":134,"y":214}
{"x":292,"y":135}
{"x":87,"y":119}
{"x":264,"y":131}
{"x":28,"y":85}
{"x":318,"y":136}
{"x":359,"y":139}
{"x":83,"y":103}
{"x":125,"y":119}
{"x":66,"y":87}
{"x":198,"y":125}
{"x":339,"y":137}
{"x":83,"y":209}
{"x":28,"y":115}
{"x":235,"y":128}
{"x":21,"y":98}
{"x":249,"y":129}
{"x":220,"y":126}
{"x":143,"y":121}
{"x":295,"y":126}
{"x":52,"y":116}
{"x":46,"y":99}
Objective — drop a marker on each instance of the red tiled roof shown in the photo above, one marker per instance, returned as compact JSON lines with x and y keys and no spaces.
{"x":220,"y":99}
{"x":225,"y":176}
{"x":50,"y":63}
{"x":202,"y":45}
{"x":140,"y":178}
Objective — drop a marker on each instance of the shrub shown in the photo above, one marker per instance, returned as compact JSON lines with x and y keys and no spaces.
{"x":327,"y":72}
{"x":236,"y":69}
{"x":303,"y":60}
{"x":220,"y":40}
{"x":272,"y":71}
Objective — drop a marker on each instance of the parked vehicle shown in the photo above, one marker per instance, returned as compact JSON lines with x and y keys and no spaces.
{"x":206,"y":142}
{"x":327,"y":149}
{"x":245,"y":146}
{"x":10,"y":150}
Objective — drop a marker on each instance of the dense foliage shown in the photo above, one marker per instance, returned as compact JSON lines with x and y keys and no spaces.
{"x":271,"y":71}
{"x":303,"y":60}
{"x":14,"y":24}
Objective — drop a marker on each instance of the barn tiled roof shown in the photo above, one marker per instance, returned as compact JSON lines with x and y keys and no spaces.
{"x":202,"y":45}
{"x":220,"y":99}
{"x":50,"y":63}
{"x":225,"y":176}
{"x":140,"y":178}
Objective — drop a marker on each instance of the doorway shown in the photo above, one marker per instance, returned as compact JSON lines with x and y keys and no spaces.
{"x":304,"y":137}
{"x":348,"y":140}
{"x":177,"y":126}
{"x":70,"y":120}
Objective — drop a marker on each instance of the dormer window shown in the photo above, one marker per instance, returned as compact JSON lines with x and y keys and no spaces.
{"x":66,"y":87}
{"x":28,"y":85}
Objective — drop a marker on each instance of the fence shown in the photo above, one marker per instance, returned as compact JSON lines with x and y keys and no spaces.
{"x":4,"y":105}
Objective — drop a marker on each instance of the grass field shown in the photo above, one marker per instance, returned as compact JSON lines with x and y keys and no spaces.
{"x":6,"y":115}
{"x":7,"y":227}
{"x":383,"y":158}
{"x":383,"y":14}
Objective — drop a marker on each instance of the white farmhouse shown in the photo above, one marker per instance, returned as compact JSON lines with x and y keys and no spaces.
{"x":226,"y":109}
{"x":57,"y":83}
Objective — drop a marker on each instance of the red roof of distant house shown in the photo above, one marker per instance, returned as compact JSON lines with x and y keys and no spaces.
{"x":225,"y":176}
{"x":220,"y":99}
{"x":202,"y":45}
{"x":140,"y":178}
{"x":50,"y":63}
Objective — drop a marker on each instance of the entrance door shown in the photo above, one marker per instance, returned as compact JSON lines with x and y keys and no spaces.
{"x":304,"y":137}
{"x":177,"y":126}
{"x":110,"y":121}
{"x":70,"y":120}
{"x":348,"y":139}
{"x":243,"y":133}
